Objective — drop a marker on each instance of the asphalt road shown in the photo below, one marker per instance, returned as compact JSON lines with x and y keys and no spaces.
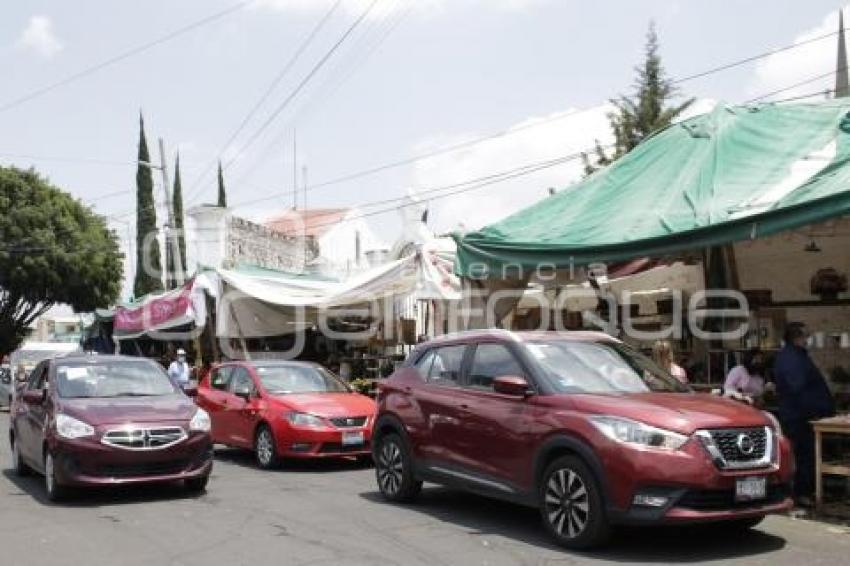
{"x":330,"y":513}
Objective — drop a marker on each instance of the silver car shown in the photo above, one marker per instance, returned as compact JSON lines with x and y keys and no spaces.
{"x":6,"y":386}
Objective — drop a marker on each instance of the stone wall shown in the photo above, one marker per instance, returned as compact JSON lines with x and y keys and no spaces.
{"x":251,"y":243}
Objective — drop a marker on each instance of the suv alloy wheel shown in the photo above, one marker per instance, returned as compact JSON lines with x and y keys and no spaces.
{"x":571,"y":504}
{"x":394,"y":469}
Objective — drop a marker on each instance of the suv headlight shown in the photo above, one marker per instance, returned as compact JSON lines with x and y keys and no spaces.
{"x":633,"y":432}
{"x":69,"y":427}
{"x":304,"y":419}
{"x":200,"y":422}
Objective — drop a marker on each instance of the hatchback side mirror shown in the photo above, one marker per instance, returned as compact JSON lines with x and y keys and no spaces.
{"x":243,"y":394}
{"x":511,"y":385}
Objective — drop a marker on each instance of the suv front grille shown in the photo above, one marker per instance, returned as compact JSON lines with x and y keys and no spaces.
{"x":348,"y":422}
{"x":144,"y":438}
{"x":739,"y":448}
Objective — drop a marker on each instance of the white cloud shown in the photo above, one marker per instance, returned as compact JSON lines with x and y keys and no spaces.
{"x":556,"y":135}
{"x":786,"y":69}
{"x":39,"y":37}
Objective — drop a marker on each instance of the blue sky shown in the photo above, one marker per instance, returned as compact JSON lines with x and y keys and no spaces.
{"x":413,"y":77}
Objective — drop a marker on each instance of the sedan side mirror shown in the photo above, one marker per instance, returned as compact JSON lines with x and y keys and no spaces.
{"x":191,"y":390}
{"x":34,"y":397}
{"x":512,"y":385}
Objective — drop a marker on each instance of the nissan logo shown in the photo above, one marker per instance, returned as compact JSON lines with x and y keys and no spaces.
{"x":745,"y":444}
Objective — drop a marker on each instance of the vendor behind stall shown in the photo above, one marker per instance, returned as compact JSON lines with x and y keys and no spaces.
{"x":803,"y":397}
{"x":747,"y":378}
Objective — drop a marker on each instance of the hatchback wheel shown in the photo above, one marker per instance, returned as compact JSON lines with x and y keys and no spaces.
{"x":265,"y":449}
{"x":55,"y":490}
{"x":21,"y":469}
{"x":571,"y":504}
{"x":394,"y":470}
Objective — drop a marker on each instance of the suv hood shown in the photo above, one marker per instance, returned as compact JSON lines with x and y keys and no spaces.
{"x":123,"y":410}
{"x":679,"y":412}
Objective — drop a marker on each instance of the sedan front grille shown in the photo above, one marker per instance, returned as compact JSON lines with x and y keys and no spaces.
{"x":131,"y":438}
{"x":348,"y":422}
{"x":739,"y":448}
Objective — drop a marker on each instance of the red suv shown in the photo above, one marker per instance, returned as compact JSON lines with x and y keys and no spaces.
{"x":580,"y":426}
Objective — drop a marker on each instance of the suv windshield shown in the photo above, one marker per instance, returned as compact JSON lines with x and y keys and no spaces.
{"x":600,"y":367}
{"x":125,"y":378}
{"x":284,"y":379}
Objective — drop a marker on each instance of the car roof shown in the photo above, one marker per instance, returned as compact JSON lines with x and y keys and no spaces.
{"x":518,"y":336}
{"x":280,"y":363}
{"x":98,"y":358}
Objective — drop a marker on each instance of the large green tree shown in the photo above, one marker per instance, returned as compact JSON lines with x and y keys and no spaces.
{"x":148,"y":259}
{"x":646,"y":111}
{"x":222,"y":194}
{"x":53,"y":249}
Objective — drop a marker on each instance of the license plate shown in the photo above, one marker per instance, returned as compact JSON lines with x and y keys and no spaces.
{"x":352,"y":438}
{"x":749,"y":489}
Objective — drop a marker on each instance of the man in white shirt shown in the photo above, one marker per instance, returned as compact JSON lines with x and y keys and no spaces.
{"x":178,"y":371}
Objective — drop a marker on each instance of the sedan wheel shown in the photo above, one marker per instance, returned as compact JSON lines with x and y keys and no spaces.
{"x":55,"y":491}
{"x":264,"y":448}
{"x":571,"y":504}
{"x":394,"y":470}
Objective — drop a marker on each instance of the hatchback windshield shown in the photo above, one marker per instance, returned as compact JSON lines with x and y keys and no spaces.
{"x":598,"y":367}
{"x":125,"y":378}
{"x":285,"y":379}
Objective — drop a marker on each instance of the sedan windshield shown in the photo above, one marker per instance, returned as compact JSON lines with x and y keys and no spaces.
{"x":125,"y":378}
{"x":600,"y":367}
{"x":287,"y":379}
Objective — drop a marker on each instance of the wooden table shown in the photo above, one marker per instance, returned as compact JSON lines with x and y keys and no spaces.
{"x":832,"y":425}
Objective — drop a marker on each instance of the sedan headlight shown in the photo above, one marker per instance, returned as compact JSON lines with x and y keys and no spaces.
{"x":200,"y":422}
{"x":69,"y":427}
{"x":628,"y":431}
{"x":304,"y":419}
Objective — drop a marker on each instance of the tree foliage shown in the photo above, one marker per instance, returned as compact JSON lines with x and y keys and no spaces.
{"x":53,"y":249}
{"x":177,"y":204}
{"x":148,"y":261}
{"x":638,"y":116}
{"x":222,"y":194}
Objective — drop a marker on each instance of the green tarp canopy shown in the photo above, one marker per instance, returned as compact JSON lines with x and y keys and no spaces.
{"x":733,"y":174}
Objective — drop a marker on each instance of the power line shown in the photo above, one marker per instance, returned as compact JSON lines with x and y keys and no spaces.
{"x":316,"y":68}
{"x":121,"y":56}
{"x":514,"y":130}
{"x":268,"y":92}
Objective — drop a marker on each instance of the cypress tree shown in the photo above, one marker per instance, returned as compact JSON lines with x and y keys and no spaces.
{"x":638,"y":116}
{"x":148,"y":262}
{"x":177,"y":198}
{"x":222,"y":195}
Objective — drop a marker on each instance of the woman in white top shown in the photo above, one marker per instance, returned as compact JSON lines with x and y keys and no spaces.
{"x":662,"y":353}
{"x":748,"y":377}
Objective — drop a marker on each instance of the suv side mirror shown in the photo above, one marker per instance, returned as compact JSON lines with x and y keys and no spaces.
{"x":511,"y":385}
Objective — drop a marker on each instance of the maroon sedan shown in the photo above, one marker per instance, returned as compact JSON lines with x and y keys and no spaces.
{"x":88,"y":420}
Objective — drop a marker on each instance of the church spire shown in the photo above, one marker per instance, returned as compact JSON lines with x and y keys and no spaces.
{"x":842,"y":84}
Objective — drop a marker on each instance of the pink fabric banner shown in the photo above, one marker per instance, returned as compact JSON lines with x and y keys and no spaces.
{"x":155,"y":313}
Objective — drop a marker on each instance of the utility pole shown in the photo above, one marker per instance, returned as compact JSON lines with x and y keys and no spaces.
{"x":172,"y":248}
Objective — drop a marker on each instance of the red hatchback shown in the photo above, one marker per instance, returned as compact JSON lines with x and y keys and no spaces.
{"x":286,"y":410}
{"x":580,"y":426}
